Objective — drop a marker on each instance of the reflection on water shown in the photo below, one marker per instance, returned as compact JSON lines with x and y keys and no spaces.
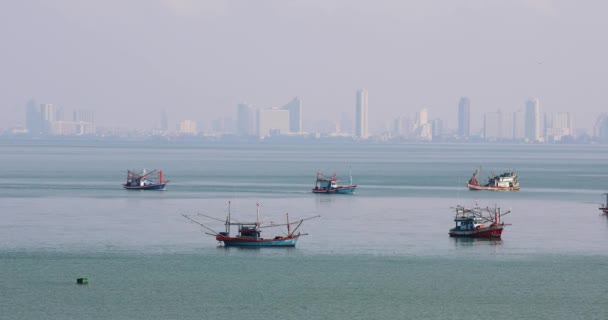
{"x":469,"y":242}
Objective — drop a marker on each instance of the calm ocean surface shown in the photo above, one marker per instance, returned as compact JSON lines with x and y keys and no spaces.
{"x":383,"y":253}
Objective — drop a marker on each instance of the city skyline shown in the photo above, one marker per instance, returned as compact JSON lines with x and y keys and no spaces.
{"x":48,"y":119}
{"x":135,"y":65}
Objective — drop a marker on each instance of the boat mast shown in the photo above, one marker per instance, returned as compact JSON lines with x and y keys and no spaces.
{"x":228,"y":221}
{"x":287,"y":214}
{"x":257,"y":214}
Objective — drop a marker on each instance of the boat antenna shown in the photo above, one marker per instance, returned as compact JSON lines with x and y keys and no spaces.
{"x":228,"y":220}
{"x":257,"y":214}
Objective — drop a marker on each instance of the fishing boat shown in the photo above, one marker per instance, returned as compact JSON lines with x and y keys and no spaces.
{"x":478,"y":222}
{"x":604,"y":206}
{"x":496,"y":182}
{"x":144,"y":180}
{"x":325,"y":184}
{"x":249,"y":233}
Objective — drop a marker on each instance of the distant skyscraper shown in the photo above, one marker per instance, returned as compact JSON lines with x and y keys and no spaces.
{"x":245,"y":118}
{"x":84,"y":115}
{"x":33,"y":118}
{"x":600,"y":129}
{"x":164,"y":120}
{"x":532,"y":120}
{"x":436,"y":128}
{"x":48,"y":114}
{"x":361,"y":114}
{"x":519,"y":125}
{"x":422,"y":127}
{"x":295,"y":115}
{"x":464,"y":117}
{"x":557,"y":126}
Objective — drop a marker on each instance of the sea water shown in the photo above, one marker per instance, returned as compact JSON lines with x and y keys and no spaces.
{"x":381,"y":253}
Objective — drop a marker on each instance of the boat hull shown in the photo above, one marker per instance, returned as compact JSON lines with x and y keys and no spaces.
{"x":476,"y":187}
{"x":487,"y":232}
{"x":258,"y":242}
{"x":604,"y":210}
{"x":338,"y":190}
{"x":157,"y":186}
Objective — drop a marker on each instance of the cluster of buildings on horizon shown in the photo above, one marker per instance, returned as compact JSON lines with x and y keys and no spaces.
{"x":524,"y":125}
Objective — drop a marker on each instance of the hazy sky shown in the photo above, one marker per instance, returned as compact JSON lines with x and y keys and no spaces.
{"x":199,"y":58}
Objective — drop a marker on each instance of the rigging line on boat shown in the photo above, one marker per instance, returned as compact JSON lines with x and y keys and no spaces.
{"x":214,"y":218}
{"x":200,"y":224}
{"x":296,"y":228}
{"x":291,"y":223}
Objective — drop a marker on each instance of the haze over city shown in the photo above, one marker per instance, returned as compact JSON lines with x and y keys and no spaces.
{"x":199,"y":59}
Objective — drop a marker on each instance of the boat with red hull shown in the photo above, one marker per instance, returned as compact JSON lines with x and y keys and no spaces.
{"x":496,"y":182}
{"x":326,"y":184}
{"x":478,"y":222}
{"x":249,"y":233}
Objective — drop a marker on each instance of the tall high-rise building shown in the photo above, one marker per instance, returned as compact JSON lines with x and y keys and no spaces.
{"x":532,"y":120}
{"x":84,"y":115}
{"x":557,"y":126}
{"x":436,"y":128}
{"x":464,"y":117}
{"x":48,"y":114}
{"x":33,"y":118}
{"x":164,"y":120}
{"x":519,"y":125}
{"x":422,"y":127}
{"x":245,"y":118}
{"x":295,"y":115}
{"x":600,"y":129}
{"x":361,"y":114}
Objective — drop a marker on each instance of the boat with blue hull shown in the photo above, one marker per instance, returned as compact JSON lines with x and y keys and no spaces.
{"x":326,"y":184}
{"x":249,"y":233}
{"x":144,"y":180}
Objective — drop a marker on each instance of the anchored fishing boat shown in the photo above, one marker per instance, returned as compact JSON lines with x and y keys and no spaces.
{"x":144,"y":180}
{"x":249,"y":233}
{"x":501,"y":182}
{"x":326,"y":184}
{"x":478,"y":222}
{"x":604,"y":206}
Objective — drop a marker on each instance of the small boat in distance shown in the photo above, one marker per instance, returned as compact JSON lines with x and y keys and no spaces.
{"x":249,"y":233}
{"x":478,"y":222}
{"x":144,"y":181}
{"x":326,"y":184}
{"x":604,"y":206}
{"x":501,"y":182}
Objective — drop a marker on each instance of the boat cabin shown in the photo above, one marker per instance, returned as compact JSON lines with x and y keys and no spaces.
{"x":324,"y":183}
{"x":249,"y":230}
{"x":466,"y":221}
{"x":505,"y":180}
